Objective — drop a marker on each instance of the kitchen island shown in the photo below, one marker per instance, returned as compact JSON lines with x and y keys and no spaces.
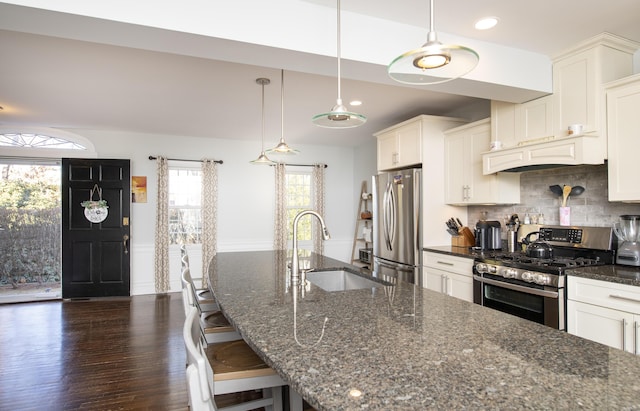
{"x":401,"y":347}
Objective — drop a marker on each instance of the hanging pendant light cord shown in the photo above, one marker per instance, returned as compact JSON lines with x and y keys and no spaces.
{"x":263,"y":117}
{"x":282,"y":104}
{"x":338,"y":53}
{"x":431,"y":28}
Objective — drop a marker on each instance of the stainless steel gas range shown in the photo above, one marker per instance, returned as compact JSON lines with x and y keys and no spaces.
{"x":534,"y":288}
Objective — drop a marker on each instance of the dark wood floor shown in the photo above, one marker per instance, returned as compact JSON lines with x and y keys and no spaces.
{"x":102,"y":354}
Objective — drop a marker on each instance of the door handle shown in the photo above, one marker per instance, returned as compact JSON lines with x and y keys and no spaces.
{"x":125,"y":239}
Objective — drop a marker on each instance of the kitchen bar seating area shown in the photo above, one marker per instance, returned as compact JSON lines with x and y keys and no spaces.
{"x":220,"y":362}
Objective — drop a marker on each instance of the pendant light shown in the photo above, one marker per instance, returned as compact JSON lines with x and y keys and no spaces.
{"x":262,"y":158}
{"x":434,"y":62}
{"x":282,"y":147}
{"x":339,"y":116}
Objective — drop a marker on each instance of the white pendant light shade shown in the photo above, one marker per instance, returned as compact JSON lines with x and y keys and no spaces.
{"x":282,"y":147}
{"x":434,"y":62}
{"x":262,"y":158}
{"x":339,"y":116}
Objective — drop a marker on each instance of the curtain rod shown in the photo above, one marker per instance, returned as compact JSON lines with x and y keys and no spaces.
{"x":300,"y":165}
{"x":182,"y":159}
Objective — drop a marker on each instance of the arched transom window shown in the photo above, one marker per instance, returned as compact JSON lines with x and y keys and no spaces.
{"x":29,"y":140}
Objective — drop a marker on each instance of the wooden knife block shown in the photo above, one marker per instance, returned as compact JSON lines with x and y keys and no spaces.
{"x":465,"y":238}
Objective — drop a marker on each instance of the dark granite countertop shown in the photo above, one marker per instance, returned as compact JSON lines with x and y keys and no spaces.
{"x":408,"y":348}
{"x":456,"y":251}
{"x":620,"y":274}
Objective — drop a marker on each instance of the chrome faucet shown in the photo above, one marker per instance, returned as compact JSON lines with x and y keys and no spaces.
{"x":295,"y":271}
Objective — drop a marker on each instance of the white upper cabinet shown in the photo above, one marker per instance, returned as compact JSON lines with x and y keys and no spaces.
{"x":465,"y":183}
{"x":578,"y":76}
{"x":623,"y":112}
{"x":534,"y":120}
{"x":517,"y":124}
{"x":400,"y":146}
{"x":536,"y":132}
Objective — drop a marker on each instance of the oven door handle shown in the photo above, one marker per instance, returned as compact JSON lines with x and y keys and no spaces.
{"x":515,"y":287}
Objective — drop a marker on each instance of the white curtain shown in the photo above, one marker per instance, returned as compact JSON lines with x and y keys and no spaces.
{"x":162,"y":228}
{"x":209,"y":215}
{"x":281,"y":228}
{"x":317,"y":177}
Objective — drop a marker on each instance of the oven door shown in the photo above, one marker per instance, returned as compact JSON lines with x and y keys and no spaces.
{"x":533,"y":302}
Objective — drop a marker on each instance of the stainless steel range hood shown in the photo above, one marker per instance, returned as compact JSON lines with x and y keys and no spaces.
{"x":546,"y":152}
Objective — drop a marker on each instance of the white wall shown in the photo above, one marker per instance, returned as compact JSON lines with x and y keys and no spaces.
{"x":364,"y":165}
{"x":245,"y":195}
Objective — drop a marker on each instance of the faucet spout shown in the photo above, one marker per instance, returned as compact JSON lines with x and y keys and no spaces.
{"x":295,"y":271}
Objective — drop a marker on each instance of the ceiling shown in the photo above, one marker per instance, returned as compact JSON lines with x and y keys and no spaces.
{"x":85,"y":78}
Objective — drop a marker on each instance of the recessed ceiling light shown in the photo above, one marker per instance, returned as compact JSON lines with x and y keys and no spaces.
{"x":486,"y":23}
{"x":355,"y":103}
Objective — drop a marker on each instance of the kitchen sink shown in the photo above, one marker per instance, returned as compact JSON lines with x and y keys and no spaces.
{"x":340,"y":280}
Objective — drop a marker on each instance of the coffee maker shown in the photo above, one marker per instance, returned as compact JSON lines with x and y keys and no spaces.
{"x":488,"y":235}
{"x":628,"y":232}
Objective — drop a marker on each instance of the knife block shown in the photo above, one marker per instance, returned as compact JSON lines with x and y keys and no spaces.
{"x":466,"y":238}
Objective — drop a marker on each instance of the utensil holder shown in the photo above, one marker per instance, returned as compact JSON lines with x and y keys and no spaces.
{"x":565,"y":215}
{"x":512,"y":241}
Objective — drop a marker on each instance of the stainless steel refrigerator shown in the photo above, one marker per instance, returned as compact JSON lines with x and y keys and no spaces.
{"x":397,"y":225}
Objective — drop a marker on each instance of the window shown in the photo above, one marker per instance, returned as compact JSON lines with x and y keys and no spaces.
{"x":34,"y":140}
{"x":185,"y":217}
{"x":299,"y":197}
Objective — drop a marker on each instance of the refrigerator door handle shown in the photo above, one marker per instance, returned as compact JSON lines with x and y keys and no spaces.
{"x":389,"y":216}
{"x":386,"y":215}
{"x":398,"y":267}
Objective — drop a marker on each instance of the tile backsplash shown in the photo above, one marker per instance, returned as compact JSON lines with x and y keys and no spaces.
{"x":590,"y":208}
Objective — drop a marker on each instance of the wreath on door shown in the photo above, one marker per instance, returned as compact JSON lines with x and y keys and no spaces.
{"x":96,"y":211}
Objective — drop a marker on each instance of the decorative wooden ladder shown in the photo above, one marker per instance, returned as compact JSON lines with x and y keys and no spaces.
{"x":364,"y":220}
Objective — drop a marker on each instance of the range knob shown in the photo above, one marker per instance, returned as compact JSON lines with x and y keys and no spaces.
{"x":541,"y":279}
{"x":510,"y":273}
{"x":527,"y":276}
{"x":481,"y":268}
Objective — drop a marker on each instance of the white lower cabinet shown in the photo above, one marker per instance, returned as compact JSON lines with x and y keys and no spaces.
{"x":604,"y":312}
{"x":448,"y":274}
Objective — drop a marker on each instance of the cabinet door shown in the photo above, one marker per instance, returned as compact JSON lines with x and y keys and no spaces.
{"x":534,"y":120}
{"x":387,"y":151}
{"x":604,"y":325}
{"x":456,"y":159}
{"x":577,"y":85}
{"x":410,"y":144}
{"x":459,"y":286}
{"x":623,"y":143}
{"x":481,"y":188}
{"x":574,"y":88}
{"x":434,"y":279}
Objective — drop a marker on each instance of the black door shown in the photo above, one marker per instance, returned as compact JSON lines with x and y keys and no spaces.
{"x":95,"y":254}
